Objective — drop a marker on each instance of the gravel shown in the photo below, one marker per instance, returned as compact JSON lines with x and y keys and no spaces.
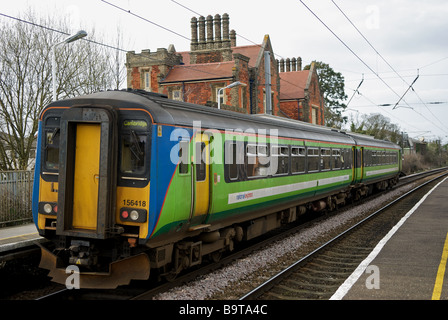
{"x":236,"y":279}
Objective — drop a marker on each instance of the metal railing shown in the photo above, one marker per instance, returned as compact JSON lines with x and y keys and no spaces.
{"x":15,"y":197}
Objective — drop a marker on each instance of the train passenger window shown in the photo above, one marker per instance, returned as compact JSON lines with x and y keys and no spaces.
{"x":348,"y":158}
{"x":257,"y":160}
{"x":337,"y":159}
{"x":313,"y":159}
{"x":325,"y":159}
{"x":298,"y":159}
{"x":231,"y":161}
{"x":367,"y":158}
{"x":183,"y":156}
{"x":280,"y":160}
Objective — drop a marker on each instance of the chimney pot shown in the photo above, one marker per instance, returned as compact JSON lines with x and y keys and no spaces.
{"x":293,"y":64}
{"x":201,"y":33}
{"x":282,"y":65}
{"x":299,"y":64}
{"x":194,"y":34}
{"x":218,"y":42}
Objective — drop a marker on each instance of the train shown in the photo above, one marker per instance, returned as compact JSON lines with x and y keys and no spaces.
{"x":130,"y":184}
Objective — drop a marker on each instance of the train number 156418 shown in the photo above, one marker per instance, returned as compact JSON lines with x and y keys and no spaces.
{"x":134,"y":203}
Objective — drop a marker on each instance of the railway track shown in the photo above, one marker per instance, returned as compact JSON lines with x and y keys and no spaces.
{"x":148,"y":291}
{"x":320,"y":273}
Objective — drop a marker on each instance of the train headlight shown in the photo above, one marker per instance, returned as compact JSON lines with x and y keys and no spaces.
{"x":133,"y":215}
{"x":48,"y":208}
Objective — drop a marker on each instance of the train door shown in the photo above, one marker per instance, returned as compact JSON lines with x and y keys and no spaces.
{"x":87,"y":173}
{"x":86,"y":176}
{"x":201,"y":176}
{"x":358,"y":164}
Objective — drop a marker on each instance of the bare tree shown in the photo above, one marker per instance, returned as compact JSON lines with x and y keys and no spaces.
{"x":25,"y":80}
{"x":376,"y":125}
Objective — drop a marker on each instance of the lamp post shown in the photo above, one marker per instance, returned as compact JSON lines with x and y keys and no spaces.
{"x":233,"y":84}
{"x":80,"y":34}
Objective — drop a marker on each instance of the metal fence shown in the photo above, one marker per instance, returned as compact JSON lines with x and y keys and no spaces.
{"x":15,"y":197}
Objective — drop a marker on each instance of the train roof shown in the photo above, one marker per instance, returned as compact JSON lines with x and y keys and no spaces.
{"x":178,"y":113}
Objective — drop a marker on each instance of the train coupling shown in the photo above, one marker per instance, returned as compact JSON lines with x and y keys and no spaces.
{"x":81,"y":254}
{"x":120,"y":272}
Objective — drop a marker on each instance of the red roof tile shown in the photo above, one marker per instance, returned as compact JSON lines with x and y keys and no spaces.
{"x":292,"y":84}
{"x":251,"y":52}
{"x":194,"y":72}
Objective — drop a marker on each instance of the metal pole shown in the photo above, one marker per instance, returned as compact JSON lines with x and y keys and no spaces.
{"x":219,"y":97}
{"x":267,"y":73}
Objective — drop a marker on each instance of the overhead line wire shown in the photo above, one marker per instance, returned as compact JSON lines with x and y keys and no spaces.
{"x":392,"y":68}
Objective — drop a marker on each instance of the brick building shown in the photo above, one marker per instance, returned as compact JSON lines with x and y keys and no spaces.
{"x":300,"y":96}
{"x":215,"y":61}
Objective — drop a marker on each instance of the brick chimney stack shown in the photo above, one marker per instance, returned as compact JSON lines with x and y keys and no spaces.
{"x":211,"y":46}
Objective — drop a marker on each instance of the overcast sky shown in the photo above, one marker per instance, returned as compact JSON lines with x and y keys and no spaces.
{"x":410,"y":35}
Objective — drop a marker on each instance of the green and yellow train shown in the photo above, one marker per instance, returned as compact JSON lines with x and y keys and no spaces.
{"x":128,"y":183}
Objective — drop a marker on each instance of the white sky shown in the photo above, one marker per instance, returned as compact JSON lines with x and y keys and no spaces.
{"x":408,"y":34}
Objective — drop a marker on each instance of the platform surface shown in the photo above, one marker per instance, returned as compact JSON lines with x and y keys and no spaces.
{"x":18,"y":237}
{"x":410,"y":262}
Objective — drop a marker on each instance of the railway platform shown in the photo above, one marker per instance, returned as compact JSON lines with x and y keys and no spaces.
{"x":409,"y":263}
{"x":18,"y":237}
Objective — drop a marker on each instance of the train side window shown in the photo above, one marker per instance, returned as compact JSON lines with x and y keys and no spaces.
{"x":337,"y":159}
{"x":367,"y":158}
{"x":281,"y":155}
{"x":183,"y":156}
{"x":374,"y":158}
{"x":325,"y":159}
{"x":298,"y":157}
{"x":313,"y":159}
{"x":257,"y":160}
{"x":349,"y":158}
{"x":231,"y":160}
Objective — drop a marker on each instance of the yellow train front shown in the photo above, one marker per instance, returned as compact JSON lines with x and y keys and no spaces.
{"x":91,"y":203}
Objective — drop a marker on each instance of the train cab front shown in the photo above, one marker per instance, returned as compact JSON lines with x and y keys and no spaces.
{"x":91,"y":193}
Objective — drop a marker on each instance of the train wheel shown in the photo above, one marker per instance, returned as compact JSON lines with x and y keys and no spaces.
{"x":216,"y":256}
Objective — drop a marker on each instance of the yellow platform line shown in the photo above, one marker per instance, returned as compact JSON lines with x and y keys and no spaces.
{"x":21,"y":235}
{"x":437,"y":292}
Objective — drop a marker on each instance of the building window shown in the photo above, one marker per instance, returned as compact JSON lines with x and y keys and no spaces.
{"x":147,"y":80}
{"x":177,"y":95}
{"x":314,"y":115}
